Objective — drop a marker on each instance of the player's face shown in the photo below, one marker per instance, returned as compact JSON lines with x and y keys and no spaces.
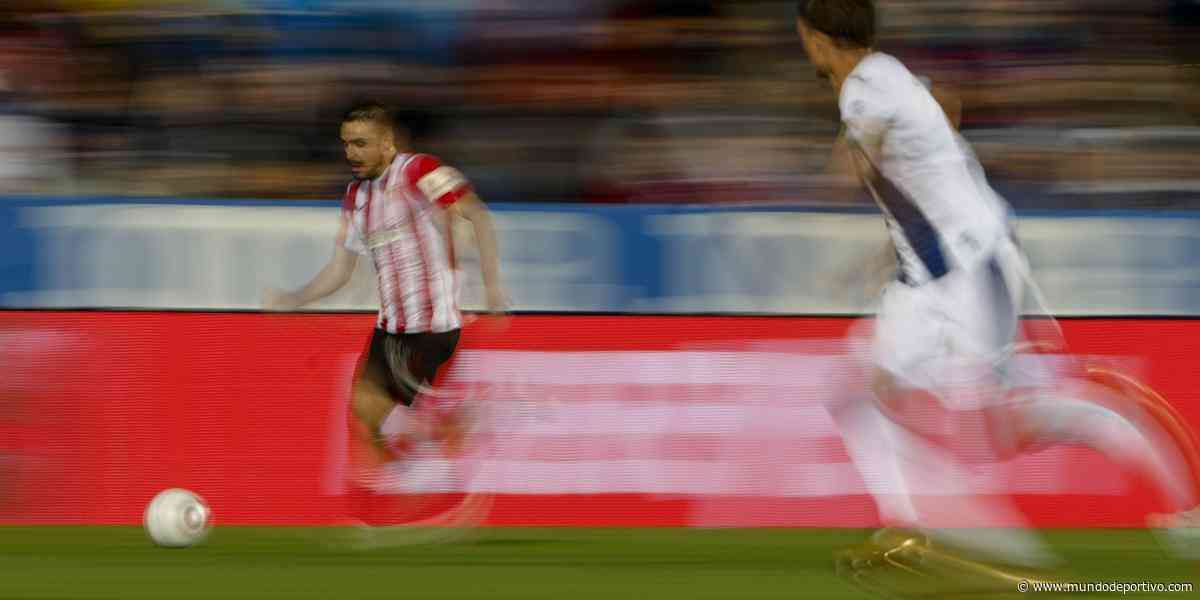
{"x":369,"y":148}
{"x":816,"y":46}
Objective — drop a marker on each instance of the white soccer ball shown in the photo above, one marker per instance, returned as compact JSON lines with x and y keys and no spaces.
{"x":177,"y":518}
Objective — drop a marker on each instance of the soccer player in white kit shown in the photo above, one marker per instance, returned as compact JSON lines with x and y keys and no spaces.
{"x":399,"y":209}
{"x":951,"y":315}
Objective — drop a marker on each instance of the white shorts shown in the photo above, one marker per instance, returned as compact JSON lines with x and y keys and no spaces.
{"x":954,"y":329}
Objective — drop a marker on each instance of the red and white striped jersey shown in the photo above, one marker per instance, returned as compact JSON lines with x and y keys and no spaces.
{"x":399,"y":218}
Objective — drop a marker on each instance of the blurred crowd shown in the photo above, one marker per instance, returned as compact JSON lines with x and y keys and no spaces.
{"x":1068,"y":102}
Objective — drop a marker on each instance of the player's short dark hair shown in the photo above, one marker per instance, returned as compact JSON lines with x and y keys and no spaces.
{"x":371,"y":110}
{"x":850,"y":23}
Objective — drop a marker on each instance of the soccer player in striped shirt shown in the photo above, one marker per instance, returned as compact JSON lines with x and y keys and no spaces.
{"x":399,"y":210}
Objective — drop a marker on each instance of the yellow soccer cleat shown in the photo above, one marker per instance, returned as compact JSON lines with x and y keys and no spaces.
{"x":903,"y":564}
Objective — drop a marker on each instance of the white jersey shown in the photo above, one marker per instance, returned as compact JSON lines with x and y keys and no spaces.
{"x":399,"y":218}
{"x":939,"y":209}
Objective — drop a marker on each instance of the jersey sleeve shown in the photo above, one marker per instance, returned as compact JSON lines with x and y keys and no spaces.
{"x":867,"y":109}
{"x":438,"y":183}
{"x":348,"y":235}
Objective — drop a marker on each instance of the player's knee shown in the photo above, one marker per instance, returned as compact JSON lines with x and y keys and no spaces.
{"x":358,"y":402}
{"x":883,"y":385}
{"x":1012,"y":432}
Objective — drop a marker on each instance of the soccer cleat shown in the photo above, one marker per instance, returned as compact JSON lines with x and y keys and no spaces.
{"x":900,"y":564}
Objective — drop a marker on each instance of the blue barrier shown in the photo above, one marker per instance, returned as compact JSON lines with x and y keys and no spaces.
{"x":218,"y":254}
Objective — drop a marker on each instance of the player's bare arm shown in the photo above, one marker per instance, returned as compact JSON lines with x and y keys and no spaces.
{"x":473,"y":209}
{"x":332,"y":277}
{"x":854,"y":160}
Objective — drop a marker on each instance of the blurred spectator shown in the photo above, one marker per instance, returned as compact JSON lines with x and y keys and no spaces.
{"x":32,"y":147}
{"x":603,"y":100}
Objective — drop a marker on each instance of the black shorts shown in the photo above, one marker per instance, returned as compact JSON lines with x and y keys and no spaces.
{"x":401,"y":362}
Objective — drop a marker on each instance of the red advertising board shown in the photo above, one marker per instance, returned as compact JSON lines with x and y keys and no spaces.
{"x":607,"y":420}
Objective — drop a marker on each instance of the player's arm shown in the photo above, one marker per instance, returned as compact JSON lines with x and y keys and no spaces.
{"x":448,"y":188}
{"x":333,"y":276}
{"x":856,"y":156}
{"x":473,"y":209}
{"x":841,"y":163}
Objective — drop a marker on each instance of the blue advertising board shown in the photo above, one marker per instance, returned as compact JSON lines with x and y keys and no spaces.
{"x":219,"y":255}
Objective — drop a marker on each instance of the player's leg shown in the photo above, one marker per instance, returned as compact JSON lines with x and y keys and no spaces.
{"x":866,"y":435}
{"x":916,"y":333}
{"x":940,"y":484}
{"x":866,"y":432}
{"x":396,"y":408}
{"x":430,"y":352}
{"x":978,"y":310}
{"x":1076,"y":412}
{"x":1112,"y":415}
{"x":916,"y":483}
{"x":418,"y":368}
{"x":373,"y":399}
{"x":1110,"y":421}
{"x":398,"y":367}
{"x":421,"y":497}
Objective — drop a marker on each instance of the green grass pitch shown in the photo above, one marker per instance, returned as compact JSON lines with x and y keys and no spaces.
{"x":58,"y":563}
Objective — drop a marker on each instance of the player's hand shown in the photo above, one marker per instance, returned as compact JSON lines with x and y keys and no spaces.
{"x":277,"y":300}
{"x":498,"y":302}
{"x":495,"y":316}
{"x":845,"y":281}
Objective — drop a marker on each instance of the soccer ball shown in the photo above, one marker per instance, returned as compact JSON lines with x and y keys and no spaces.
{"x":177,"y":518}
